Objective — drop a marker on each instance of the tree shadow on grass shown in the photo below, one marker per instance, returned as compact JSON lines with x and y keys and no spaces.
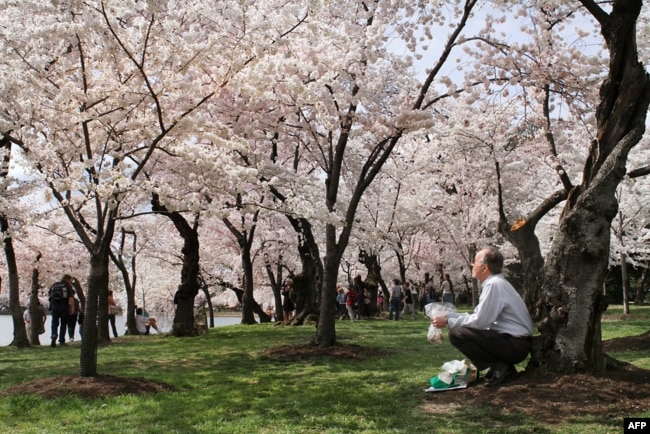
{"x":542,"y":395}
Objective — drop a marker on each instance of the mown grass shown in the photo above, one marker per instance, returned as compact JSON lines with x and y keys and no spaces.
{"x":225,"y":384}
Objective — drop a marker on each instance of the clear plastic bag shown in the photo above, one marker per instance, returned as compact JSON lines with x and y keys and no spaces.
{"x":433,"y":310}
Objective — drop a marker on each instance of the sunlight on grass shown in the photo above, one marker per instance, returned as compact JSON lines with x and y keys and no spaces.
{"x":225,"y":384}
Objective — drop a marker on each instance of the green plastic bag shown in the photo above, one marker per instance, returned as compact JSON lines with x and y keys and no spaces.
{"x":456,"y":374}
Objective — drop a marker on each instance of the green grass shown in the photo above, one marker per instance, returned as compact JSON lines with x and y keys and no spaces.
{"x":224,"y":384}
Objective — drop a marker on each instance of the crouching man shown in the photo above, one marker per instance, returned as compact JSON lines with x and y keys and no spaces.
{"x":498,"y":334}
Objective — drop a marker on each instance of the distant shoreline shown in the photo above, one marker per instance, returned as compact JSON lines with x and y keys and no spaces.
{"x":224,"y":314}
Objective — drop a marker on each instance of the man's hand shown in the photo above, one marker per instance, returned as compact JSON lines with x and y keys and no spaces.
{"x":439,"y":321}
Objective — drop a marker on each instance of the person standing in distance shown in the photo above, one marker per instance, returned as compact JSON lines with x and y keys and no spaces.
{"x":61,"y":304}
{"x":395,"y":300}
{"x":498,"y":334}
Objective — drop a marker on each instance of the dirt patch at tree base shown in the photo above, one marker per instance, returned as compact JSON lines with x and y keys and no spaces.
{"x":87,"y":387}
{"x":556,"y":398}
{"x":545,"y":396}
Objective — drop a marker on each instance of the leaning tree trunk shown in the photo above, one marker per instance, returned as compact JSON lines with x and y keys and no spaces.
{"x":245,"y":241}
{"x":183,"y":324}
{"x":129,"y":281}
{"x":257,"y":309}
{"x":572,"y":300}
{"x":276,"y":287}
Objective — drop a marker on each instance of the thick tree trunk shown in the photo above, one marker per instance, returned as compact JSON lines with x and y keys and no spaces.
{"x":326,"y":332}
{"x":306,"y":285}
{"x":183,"y":324}
{"x":102,"y":282}
{"x":188,"y":289}
{"x":96,"y":302}
{"x":248,"y":300}
{"x":572,"y":300}
{"x":373,"y":280}
{"x":20,"y":332}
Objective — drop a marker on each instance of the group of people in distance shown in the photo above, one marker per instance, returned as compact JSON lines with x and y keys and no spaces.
{"x":67,"y":311}
{"x":495,"y":336}
{"x":403,"y":299}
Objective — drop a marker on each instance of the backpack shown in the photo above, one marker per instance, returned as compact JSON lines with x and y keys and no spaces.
{"x":352,"y":298}
{"x":59,"y":291}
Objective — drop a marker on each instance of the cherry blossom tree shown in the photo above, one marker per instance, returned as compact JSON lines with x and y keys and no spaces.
{"x":20,"y":334}
{"x":104,"y":92}
{"x":567,"y":284}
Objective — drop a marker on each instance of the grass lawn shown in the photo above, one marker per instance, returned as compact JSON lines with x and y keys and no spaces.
{"x":223,"y":383}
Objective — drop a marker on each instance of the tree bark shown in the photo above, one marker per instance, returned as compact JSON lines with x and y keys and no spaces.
{"x":276,"y":286}
{"x":244,"y":239}
{"x":639,"y":300}
{"x":626,"y":284}
{"x":129,"y":281}
{"x":374,"y":280}
{"x":95,"y":310}
{"x":257,"y":309}
{"x":307,"y":287}
{"x":20,"y":332}
{"x":35,"y":310}
{"x":572,"y":301}
{"x":248,"y":314}
{"x":326,"y":331}
{"x":183,"y":324}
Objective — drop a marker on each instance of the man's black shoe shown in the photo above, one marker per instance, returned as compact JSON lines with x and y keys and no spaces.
{"x":53,"y":344}
{"x":500,"y":376}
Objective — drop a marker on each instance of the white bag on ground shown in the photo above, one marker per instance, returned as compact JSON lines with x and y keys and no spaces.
{"x":456,"y":374}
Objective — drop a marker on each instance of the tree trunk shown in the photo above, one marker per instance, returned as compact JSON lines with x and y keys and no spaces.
{"x":183,"y":324}
{"x":129,"y":281}
{"x":94,"y":319}
{"x":373,"y":280}
{"x":572,"y":301}
{"x":184,"y":318}
{"x":35,"y":310}
{"x":276,"y":286}
{"x":20,"y":332}
{"x":248,"y":300}
{"x":326,"y":332}
{"x":307,"y":284}
{"x":639,"y":300}
{"x":257,"y":309}
{"x":626,"y":284}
